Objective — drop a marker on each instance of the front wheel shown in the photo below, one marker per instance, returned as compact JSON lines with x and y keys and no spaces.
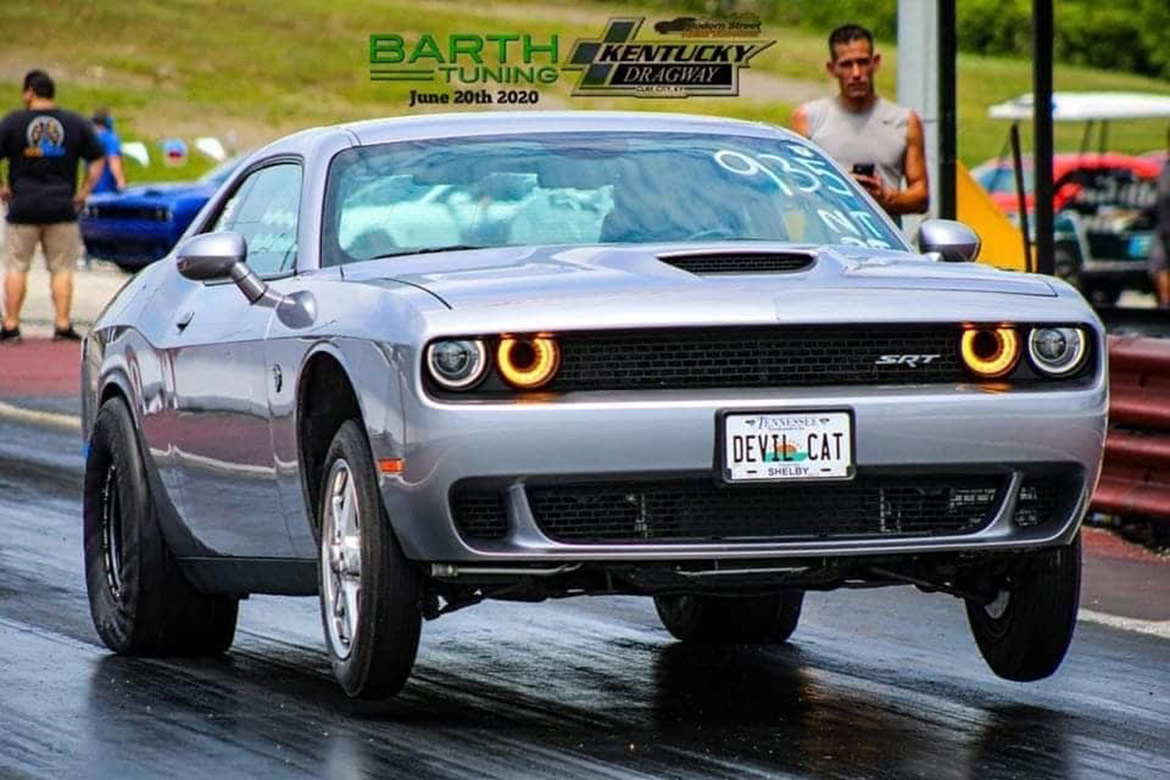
{"x":371,"y":596}
{"x":701,"y":619}
{"x":1025,"y":631}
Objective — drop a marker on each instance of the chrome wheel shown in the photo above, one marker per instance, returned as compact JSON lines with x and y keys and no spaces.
{"x":998,"y":607}
{"x":111,"y":524}
{"x":341,"y":559}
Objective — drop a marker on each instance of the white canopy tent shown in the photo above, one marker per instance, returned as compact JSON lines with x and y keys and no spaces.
{"x":1089,"y":106}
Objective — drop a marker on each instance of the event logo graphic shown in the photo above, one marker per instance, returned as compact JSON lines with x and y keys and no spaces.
{"x":46,"y":137}
{"x":704,"y":60}
{"x":619,"y":65}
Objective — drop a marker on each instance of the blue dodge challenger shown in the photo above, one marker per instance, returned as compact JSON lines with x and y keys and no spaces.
{"x":135,"y":227}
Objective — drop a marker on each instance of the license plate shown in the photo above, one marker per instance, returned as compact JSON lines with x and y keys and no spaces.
{"x":787,"y":446}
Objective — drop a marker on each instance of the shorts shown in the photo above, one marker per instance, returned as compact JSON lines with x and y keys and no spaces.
{"x":1159,"y":261}
{"x":61,"y":242}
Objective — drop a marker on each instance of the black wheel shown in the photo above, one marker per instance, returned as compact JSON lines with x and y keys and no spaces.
{"x":371,"y":596}
{"x":767,"y":619}
{"x":141,"y":603}
{"x":1067,"y":266}
{"x":1024,"y":633}
{"x":1101,"y":295}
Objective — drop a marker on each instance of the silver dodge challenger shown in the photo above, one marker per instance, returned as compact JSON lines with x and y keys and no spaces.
{"x":411,"y":364}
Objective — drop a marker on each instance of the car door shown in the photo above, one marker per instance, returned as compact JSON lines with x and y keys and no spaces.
{"x":223,"y":447}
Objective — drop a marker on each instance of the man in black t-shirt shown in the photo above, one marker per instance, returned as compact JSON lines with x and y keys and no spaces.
{"x":43,"y":145}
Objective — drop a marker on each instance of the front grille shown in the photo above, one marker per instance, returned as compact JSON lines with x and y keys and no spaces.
{"x":758,"y":357}
{"x":115,"y":211}
{"x":740,"y":263}
{"x":696,"y":510}
{"x":479,"y":514}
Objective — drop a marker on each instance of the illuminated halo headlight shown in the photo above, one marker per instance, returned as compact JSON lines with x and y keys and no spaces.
{"x":1056,"y":351}
{"x":457,"y":364}
{"x":990,"y":352}
{"x":528,"y":362}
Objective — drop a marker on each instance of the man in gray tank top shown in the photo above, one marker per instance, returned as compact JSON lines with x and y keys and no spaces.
{"x":879,"y":141}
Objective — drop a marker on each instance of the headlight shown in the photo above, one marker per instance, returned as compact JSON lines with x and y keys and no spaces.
{"x":528,"y":362}
{"x":457,"y":365}
{"x":990,"y":352}
{"x":1056,"y":351}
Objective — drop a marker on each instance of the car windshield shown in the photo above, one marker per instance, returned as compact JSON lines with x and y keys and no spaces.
{"x":571,"y":188}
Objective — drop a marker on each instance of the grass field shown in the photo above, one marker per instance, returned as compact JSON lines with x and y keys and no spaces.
{"x":252,"y":73}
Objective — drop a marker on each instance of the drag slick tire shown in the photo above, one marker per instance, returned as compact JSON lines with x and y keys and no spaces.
{"x":728,"y":620}
{"x":1024,"y":633}
{"x":141,"y":603}
{"x":371,"y":595}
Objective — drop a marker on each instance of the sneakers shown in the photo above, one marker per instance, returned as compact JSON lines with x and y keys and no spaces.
{"x":12,"y":335}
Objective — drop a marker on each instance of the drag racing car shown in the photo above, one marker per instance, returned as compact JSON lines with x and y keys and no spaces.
{"x":685,"y":358}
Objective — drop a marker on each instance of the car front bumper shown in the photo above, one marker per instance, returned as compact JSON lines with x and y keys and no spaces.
{"x":663,"y":435}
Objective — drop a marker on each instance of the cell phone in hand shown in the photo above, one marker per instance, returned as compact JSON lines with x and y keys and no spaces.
{"x":864,"y":169}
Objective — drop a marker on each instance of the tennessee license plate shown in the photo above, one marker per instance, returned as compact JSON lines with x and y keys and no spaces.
{"x":788,"y":446}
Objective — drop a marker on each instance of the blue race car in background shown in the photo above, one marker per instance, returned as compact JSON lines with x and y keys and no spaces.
{"x":141,"y":224}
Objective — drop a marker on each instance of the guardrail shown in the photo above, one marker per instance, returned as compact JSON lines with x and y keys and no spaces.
{"x":1135,"y":479}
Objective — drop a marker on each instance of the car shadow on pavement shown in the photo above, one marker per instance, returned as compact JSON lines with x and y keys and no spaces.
{"x":759,"y":708}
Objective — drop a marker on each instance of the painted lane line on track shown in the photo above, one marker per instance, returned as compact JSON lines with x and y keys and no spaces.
{"x":1158,"y":628}
{"x":51,"y":635}
{"x":65,"y":422}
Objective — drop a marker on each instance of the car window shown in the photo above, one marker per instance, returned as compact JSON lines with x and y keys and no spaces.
{"x":574,"y":188}
{"x":263,"y":209}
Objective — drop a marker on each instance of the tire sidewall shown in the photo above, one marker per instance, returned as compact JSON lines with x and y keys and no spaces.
{"x":358,"y":673}
{"x":114,"y":443}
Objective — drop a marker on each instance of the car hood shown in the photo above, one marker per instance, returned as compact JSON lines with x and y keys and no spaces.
{"x":155,"y":194}
{"x":514,"y":275}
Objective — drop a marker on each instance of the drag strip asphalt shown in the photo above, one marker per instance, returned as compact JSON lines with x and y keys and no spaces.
{"x":876,"y":683}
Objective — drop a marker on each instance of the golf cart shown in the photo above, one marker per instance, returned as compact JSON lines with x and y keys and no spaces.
{"x":1104,"y":201}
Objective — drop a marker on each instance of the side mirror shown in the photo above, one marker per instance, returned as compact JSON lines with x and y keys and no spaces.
{"x":212,"y":256}
{"x":953,"y":241}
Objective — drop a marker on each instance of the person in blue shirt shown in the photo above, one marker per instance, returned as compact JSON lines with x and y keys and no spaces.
{"x":113,"y":178}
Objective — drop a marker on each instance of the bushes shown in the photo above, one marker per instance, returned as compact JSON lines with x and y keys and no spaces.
{"x":1132,"y":35}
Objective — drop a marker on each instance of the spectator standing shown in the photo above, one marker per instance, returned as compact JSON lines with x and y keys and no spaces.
{"x":1160,"y":250}
{"x":880,"y":142}
{"x":44,"y":145}
{"x":113,"y":177}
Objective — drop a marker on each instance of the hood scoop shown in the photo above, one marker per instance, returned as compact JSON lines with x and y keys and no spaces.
{"x":726,"y":263}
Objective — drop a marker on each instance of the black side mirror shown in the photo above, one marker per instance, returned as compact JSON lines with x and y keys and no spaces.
{"x":212,"y":256}
{"x":953,"y":241}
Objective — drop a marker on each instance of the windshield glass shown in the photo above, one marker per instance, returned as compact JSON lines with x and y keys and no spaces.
{"x":589,"y":188}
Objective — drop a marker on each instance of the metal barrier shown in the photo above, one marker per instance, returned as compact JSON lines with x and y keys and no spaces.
{"x":1135,"y":479}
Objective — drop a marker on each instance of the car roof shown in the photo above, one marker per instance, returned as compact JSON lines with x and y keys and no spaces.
{"x":377,"y":131}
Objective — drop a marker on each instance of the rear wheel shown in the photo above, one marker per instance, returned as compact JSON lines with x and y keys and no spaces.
{"x":140,"y":602}
{"x":702,"y":619}
{"x":1024,"y":632}
{"x":371,"y":596}
{"x":1067,"y":266}
{"x":1101,"y":294}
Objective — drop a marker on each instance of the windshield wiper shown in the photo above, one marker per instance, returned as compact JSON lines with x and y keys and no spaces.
{"x":429,"y":250}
